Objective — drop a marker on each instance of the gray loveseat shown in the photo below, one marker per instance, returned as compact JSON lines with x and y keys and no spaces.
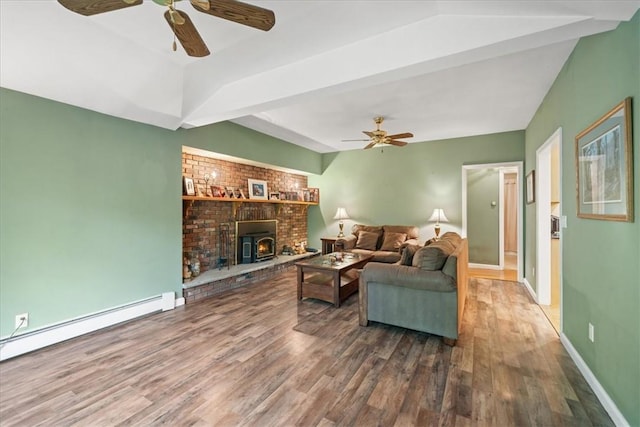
{"x":425,"y":291}
{"x":384,"y":242}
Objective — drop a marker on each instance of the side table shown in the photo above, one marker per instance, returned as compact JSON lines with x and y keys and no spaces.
{"x":328,"y":244}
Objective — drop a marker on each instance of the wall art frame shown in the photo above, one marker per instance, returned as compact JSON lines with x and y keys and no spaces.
{"x":531,"y":187}
{"x":604,"y":167}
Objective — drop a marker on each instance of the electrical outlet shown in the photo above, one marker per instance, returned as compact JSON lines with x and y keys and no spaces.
{"x":20,"y":323}
{"x":591,"y":332}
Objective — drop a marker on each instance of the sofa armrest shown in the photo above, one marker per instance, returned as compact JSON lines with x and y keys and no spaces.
{"x":346,"y":243}
{"x":407,"y":276}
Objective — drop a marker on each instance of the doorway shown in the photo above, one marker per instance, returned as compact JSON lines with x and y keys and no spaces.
{"x":492,"y":219}
{"x":549,"y":233}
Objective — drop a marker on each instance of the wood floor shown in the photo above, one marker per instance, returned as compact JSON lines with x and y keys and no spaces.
{"x":257,"y":357}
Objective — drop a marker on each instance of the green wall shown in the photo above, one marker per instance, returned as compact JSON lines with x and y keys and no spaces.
{"x":235,"y":140}
{"x":403,"y":185}
{"x":483,"y":220}
{"x":90,"y":207}
{"x":601,"y":273}
{"x":89,"y":211}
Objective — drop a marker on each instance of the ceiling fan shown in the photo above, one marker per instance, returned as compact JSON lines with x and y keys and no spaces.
{"x":180,"y":23}
{"x":380,"y":137}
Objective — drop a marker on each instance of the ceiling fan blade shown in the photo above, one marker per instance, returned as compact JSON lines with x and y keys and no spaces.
{"x":369,"y":134}
{"x":400,"y":135}
{"x":394,"y":142}
{"x":236,"y":11}
{"x":370,"y":145}
{"x":352,"y":140}
{"x":188,"y":35}
{"x":93,"y":7}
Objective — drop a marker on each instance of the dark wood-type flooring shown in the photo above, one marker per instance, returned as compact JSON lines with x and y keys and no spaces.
{"x":257,"y":357}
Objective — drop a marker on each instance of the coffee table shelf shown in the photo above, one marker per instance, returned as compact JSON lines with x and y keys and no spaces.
{"x":321,"y":279}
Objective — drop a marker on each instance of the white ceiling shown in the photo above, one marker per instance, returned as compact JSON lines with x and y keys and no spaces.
{"x":438,"y":69}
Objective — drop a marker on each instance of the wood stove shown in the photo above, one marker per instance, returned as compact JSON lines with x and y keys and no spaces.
{"x":256,"y":241}
{"x":257,"y":247}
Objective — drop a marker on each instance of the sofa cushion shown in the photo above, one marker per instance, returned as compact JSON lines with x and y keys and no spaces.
{"x":388,"y":257}
{"x":357,"y":228}
{"x":408,"y":251}
{"x":392,"y":241}
{"x":411,"y":231}
{"x":434,"y":256}
{"x":367,"y":240}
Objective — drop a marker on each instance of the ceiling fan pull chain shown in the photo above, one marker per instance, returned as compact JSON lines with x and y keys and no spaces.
{"x":175,"y":46}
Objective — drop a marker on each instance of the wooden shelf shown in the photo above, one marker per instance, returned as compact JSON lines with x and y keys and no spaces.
{"x":188,"y":201}
{"x":226,"y":199}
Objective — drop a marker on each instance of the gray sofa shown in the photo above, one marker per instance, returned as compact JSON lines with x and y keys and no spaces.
{"x":384,"y":242}
{"x":424,"y":291}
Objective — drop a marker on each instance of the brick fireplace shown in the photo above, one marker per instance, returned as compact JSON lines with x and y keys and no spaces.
{"x":202,"y":219}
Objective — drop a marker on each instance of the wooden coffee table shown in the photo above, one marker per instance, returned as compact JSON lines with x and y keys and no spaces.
{"x":332,"y":282}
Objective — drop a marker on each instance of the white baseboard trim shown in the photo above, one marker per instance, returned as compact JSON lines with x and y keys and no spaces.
{"x":528,"y":287}
{"x":53,"y":334}
{"x":606,"y":401}
{"x":484,"y":266}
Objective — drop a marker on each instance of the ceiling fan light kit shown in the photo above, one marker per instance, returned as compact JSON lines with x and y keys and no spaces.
{"x":380,"y":136}
{"x":180,"y":23}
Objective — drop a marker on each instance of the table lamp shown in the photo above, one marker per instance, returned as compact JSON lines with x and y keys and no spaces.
{"x":438,"y":216}
{"x":341,"y":214}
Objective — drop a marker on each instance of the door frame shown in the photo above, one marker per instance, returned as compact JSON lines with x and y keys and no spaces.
{"x":516,"y":167}
{"x":543,"y":215}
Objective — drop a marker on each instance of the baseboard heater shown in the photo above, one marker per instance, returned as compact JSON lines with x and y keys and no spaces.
{"x":56,"y":333}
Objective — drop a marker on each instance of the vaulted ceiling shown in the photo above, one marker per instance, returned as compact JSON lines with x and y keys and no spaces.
{"x":438,"y":69}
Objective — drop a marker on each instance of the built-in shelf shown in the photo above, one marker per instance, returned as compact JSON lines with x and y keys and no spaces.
{"x":189,"y":200}
{"x":227,"y":199}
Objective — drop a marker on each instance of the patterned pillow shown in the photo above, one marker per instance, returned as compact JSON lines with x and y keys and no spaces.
{"x":367,"y":240}
{"x":393,"y":241}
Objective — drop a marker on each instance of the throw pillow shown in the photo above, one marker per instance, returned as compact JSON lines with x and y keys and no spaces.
{"x":392,"y":241}
{"x":367,"y":240}
{"x":408,"y":251}
{"x":434,"y":256}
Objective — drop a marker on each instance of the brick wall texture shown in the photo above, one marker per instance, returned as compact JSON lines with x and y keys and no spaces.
{"x":201,"y":222}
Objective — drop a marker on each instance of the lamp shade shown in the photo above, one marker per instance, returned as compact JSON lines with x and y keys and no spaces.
{"x":438,"y":216}
{"x":341,"y":213}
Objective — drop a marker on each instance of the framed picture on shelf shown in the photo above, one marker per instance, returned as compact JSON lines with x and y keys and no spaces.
{"x":200,"y":190}
{"x":217,"y":191}
{"x":274,"y":196}
{"x":188,"y":187}
{"x":237,"y":193}
{"x":230,"y":192}
{"x":242,"y":195}
{"x":258,"y":189}
{"x":531,"y":187}
{"x":604,"y":167}
{"x":314,"y":195}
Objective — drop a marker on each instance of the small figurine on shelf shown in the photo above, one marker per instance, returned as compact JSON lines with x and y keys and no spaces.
{"x":208,"y":178}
